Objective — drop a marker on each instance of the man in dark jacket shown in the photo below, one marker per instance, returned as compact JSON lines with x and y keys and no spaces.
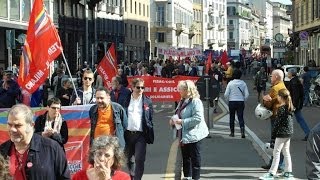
{"x":295,"y":88}
{"x":51,"y":124}
{"x":107,"y":118}
{"x":35,"y":157}
{"x":139,"y":132}
{"x":85,"y":93}
{"x":313,"y":154}
{"x":9,"y":90}
{"x":119,"y":94}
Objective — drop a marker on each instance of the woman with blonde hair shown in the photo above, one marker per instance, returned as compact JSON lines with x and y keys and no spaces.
{"x":282,"y":131}
{"x":190,"y":116}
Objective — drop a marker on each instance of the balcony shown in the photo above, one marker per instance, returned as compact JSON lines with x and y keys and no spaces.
{"x":108,"y":8}
{"x":221,"y":43}
{"x":163,"y":24}
{"x":121,"y":11}
{"x":221,"y":13}
{"x":244,"y":41}
{"x":210,"y":11}
{"x":115,"y":10}
{"x":211,"y":42}
{"x":210,"y":26}
{"x":231,"y":27}
{"x":231,"y":40}
{"x":221,"y":27}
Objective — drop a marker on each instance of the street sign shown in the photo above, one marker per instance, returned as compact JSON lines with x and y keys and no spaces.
{"x":279,"y":45}
{"x":303,"y":35}
{"x":304,"y":44}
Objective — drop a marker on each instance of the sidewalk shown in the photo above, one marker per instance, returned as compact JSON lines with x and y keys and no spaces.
{"x":227,"y":157}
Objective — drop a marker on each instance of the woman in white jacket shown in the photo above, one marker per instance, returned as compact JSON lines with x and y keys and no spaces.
{"x":236,"y":93}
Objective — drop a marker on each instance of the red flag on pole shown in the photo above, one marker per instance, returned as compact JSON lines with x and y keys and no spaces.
{"x":41,"y":47}
{"x":107,"y":68}
{"x":224,"y":58}
{"x":208,"y":63}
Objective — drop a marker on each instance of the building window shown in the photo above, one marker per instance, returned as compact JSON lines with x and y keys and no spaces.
{"x":161,"y":37}
{"x":131,"y":31}
{"x":230,"y":35}
{"x":14,"y":9}
{"x":125,"y":5}
{"x":230,"y":21}
{"x":160,"y":15}
{"x":135,"y":31}
{"x":144,"y":9}
{"x":125,"y":30}
{"x":130,"y":6}
{"x":25,"y":11}
{"x":307,"y":11}
{"x":135,"y":7}
{"x":4,"y":8}
{"x":301,"y":14}
{"x":139,"y":8}
{"x":147,"y":11}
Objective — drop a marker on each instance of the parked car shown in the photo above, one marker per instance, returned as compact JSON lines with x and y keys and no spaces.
{"x":286,"y":68}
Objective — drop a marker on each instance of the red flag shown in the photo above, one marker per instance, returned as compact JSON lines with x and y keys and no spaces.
{"x":208,"y":63}
{"x":224,"y":58}
{"x":41,"y":47}
{"x":107,"y":68}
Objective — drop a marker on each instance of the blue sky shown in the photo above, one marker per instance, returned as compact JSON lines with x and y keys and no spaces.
{"x":283,"y":1}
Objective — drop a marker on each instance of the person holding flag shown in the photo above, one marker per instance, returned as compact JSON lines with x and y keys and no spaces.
{"x":86,"y":93}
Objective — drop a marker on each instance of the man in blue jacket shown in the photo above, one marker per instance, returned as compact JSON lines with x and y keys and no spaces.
{"x":107,"y":118}
{"x":34,"y":157}
{"x":120,"y":94}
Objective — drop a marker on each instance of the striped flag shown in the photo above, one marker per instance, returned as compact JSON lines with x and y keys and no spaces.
{"x":41,"y":47}
{"x":107,"y":68}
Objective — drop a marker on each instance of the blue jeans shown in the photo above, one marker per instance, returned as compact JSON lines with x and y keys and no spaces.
{"x":306,"y":91}
{"x":236,"y":106}
{"x":304,"y":126}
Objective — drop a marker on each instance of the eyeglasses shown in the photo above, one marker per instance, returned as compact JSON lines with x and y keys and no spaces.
{"x":55,"y":108}
{"x":86,"y":78}
{"x":140,"y":87}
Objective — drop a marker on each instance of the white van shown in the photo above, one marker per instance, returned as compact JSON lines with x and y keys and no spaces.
{"x":299,"y":69}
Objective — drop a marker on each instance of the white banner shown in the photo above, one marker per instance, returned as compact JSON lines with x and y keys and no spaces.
{"x":184,"y":52}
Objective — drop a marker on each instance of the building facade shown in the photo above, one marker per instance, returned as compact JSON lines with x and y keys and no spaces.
{"x":171,"y":24}
{"x":137,"y":30}
{"x":215,"y":25}
{"x":306,"y":18}
{"x":281,"y":25}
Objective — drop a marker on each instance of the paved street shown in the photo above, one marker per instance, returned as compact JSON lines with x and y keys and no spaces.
{"x":224,"y":157}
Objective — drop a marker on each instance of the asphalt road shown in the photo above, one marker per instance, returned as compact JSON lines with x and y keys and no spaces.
{"x":224,"y":157}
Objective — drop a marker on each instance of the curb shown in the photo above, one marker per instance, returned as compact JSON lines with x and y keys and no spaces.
{"x":255,"y":140}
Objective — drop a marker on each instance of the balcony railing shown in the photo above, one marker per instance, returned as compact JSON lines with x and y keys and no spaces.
{"x":221,"y":27}
{"x":212,"y":41}
{"x":231,"y":26}
{"x":210,"y":26}
{"x":221,"y":42}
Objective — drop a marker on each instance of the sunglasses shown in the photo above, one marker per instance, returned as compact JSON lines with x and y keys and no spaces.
{"x":86,"y":78}
{"x":139,"y":87}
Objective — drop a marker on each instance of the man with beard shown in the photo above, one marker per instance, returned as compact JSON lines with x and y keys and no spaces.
{"x":32,"y":156}
{"x":107,"y":118}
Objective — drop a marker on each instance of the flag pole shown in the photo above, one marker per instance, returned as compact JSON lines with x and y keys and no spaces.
{"x":67,"y":66}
